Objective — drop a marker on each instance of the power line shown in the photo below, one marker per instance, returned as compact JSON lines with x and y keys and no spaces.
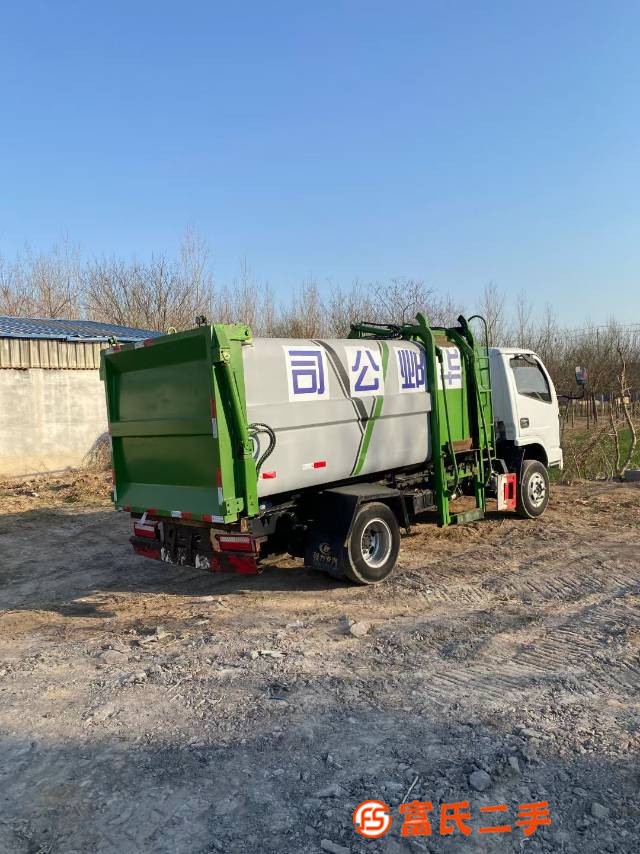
{"x":572,"y":333}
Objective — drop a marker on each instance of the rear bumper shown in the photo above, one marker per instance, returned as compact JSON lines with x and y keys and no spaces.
{"x":241,"y":562}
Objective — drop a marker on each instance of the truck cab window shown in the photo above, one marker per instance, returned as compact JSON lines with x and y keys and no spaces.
{"x":530,"y":379}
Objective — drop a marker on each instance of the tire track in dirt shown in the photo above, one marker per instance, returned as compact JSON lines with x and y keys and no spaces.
{"x":583,"y":593}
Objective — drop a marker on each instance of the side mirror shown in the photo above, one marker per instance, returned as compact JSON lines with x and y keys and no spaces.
{"x":581,"y":376}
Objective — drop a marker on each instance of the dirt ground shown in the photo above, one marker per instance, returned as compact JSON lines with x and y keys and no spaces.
{"x":144,"y":708}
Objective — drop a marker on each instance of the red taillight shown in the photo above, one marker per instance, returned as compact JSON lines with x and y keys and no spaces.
{"x":268,"y":475}
{"x":320,"y":464}
{"x":235,"y":543}
{"x":146,"y":529}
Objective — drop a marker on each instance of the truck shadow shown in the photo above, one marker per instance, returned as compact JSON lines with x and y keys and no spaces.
{"x":57,"y":559}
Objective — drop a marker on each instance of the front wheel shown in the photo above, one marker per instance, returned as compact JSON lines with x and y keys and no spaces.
{"x":533,"y":489}
{"x":373,"y":546}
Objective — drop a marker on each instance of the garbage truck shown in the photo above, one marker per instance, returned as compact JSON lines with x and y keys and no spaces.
{"x":228,"y":449}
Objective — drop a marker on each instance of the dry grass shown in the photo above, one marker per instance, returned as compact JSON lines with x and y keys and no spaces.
{"x":87,"y":486}
{"x":99,"y":457}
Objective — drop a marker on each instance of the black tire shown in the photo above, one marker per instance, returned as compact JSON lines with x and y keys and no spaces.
{"x":374,"y":542}
{"x":533,"y":489}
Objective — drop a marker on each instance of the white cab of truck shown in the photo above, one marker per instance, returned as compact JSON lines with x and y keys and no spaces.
{"x":525,"y":407}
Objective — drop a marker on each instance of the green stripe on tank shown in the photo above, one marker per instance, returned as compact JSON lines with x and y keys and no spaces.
{"x":377,"y":409}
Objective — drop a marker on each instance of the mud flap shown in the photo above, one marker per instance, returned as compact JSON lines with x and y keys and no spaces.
{"x":326,"y":544}
{"x":146,"y":548}
{"x":334,"y":512}
{"x":241,"y":563}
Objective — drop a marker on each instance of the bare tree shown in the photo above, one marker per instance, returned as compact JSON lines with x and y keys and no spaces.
{"x":42,"y":284}
{"x":625,"y":392}
{"x":492,"y":308}
{"x":246,"y":301}
{"x":194,"y":264}
{"x":347,"y":306}
{"x":399,"y":300}
{"x":523,"y":327}
{"x":152,"y":295}
{"x":304,"y":316}
{"x":14,"y":296}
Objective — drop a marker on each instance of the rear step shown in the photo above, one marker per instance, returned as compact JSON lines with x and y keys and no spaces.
{"x":467,"y":516}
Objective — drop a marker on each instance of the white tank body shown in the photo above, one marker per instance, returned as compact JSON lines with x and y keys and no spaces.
{"x":339,"y":408}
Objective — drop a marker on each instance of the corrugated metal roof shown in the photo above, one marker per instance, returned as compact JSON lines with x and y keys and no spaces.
{"x":69,"y":330}
{"x":50,"y":353}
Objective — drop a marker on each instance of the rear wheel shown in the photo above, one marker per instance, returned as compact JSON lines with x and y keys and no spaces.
{"x":372,"y":549}
{"x":533,"y":489}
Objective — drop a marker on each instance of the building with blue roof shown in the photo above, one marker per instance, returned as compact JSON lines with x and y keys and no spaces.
{"x":52,"y":402}
{"x":56,"y":329}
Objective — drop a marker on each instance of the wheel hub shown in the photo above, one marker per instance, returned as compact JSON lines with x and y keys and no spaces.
{"x":537,"y":489}
{"x":375,"y":543}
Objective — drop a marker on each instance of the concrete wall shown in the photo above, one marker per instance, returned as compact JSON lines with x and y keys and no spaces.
{"x":49,"y":419}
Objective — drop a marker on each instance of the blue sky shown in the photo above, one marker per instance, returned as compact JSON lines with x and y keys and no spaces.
{"x":460,"y":142}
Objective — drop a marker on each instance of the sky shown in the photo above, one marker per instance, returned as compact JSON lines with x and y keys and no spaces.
{"x":460,"y":143}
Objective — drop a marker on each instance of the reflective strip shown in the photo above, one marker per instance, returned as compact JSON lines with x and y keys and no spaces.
{"x":220,"y":495}
{"x":318,"y":464}
{"x":268,"y":475}
{"x":214,"y":427}
{"x":176,"y":514}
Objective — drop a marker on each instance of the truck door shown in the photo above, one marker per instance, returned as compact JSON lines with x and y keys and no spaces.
{"x":536,"y":405}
